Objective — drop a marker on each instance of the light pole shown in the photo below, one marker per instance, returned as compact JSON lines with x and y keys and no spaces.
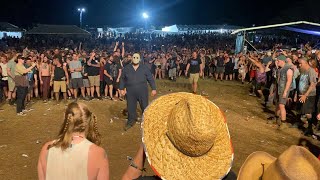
{"x":81,"y":10}
{"x":145,"y":16}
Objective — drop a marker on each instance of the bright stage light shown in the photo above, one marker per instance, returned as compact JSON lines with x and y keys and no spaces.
{"x":145,"y":15}
{"x":81,"y":9}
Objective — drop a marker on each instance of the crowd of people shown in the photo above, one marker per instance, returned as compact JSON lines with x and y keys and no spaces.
{"x":92,"y":69}
{"x":289,"y":79}
{"x":50,"y":69}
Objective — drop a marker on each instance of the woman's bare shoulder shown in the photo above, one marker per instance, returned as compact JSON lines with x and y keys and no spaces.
{"x":47,"y":144}
{"x":97,"y":150}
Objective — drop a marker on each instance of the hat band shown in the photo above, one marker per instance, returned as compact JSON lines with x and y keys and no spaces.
{"x":185,"y":152}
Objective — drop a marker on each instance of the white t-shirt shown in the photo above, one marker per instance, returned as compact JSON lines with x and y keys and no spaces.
{"x":236,"y":62}
{"x":4,"y":71}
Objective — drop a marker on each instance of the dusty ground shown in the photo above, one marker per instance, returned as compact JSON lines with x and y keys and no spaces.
{"x":245,"y":116}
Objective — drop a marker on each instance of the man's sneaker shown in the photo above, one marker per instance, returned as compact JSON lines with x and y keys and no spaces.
{"x":317,"y":133}
{"x":127,"y":127}
{"x":87,"y":98}
{"x":308,"y":132}
{"x":100,"y":98}
{"x":304,"y":119}
{"x":295,"y":125}
{"x":283,"y":126}
{"x":21,"y":114}
{"x":27,"y":110}
{"x":271,"y":121}
{"x":11,"y":102}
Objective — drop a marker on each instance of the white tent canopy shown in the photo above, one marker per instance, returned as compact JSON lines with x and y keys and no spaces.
{"x":274,"y":26}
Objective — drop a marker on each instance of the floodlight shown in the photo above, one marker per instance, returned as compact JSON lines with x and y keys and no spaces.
{"x":145,"y":15}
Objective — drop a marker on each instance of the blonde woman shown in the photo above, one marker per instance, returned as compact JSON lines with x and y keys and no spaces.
{"x":75,"y":154}
{"x":158,"y":64}
{"x":242,"y":68}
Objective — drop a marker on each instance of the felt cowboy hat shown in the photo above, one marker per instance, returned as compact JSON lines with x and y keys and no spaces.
{"x":186,"y":137}
{"x":296,"y":163}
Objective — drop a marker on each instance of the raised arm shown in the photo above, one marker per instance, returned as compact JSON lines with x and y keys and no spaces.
{"x":25,"y":71}
{"x":116,"y":46}
{"x":256,"y":62}
{"x":122,"y":50}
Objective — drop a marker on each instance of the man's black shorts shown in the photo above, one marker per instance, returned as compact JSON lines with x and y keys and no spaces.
{"x":308,"y":106}
{"x":3,"y":83}
{"x":114,"y":83}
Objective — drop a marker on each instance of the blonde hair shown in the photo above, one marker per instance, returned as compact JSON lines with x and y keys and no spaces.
{"x":313,"y":63}
{"x":78,"y":118}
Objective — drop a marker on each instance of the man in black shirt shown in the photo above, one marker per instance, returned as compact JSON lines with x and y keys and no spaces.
{"x":112,"y":72}
{"x":220,"y":66}
{"x":60,"y":78}
{"x":172,"y":67}
{"x":94,"y":74}
{"x":195,"y":66}
{"x":134,"y":78}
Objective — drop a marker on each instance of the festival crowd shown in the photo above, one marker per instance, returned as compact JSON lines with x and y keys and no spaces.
{"x":51,"y":69}
{"x":33,"y":68}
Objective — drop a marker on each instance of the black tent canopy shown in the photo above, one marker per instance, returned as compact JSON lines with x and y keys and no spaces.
{"x":44,"y":29}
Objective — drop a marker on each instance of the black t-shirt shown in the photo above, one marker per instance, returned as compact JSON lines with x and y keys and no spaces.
{"x":194,"y":65}
{"x":93,"y":71}
{"x":172,"y":63}
{"x":112,"y":69}
{"x":59,"y":74}
{"x":85,"y":71}
{"x":220,"y":62}
{"x":207,"y":61}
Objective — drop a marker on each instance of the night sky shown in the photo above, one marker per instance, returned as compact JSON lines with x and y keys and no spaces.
{"x":26,"y":13}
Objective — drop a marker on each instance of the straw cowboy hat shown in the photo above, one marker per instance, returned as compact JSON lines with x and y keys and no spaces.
{"x":296,"y":163}
{"x":186,"y":137}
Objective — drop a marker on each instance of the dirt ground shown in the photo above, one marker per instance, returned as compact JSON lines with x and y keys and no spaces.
{"x":21,"y":138}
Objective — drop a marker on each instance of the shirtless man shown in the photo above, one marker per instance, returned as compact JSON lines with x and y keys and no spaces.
{"x":163,"y":65}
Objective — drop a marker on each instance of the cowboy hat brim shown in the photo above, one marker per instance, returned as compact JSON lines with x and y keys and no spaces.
{"x":255,"y":165}
{"x":167,"y":161}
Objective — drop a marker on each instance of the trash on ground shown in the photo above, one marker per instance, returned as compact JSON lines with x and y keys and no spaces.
{"x":25,"y":155}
